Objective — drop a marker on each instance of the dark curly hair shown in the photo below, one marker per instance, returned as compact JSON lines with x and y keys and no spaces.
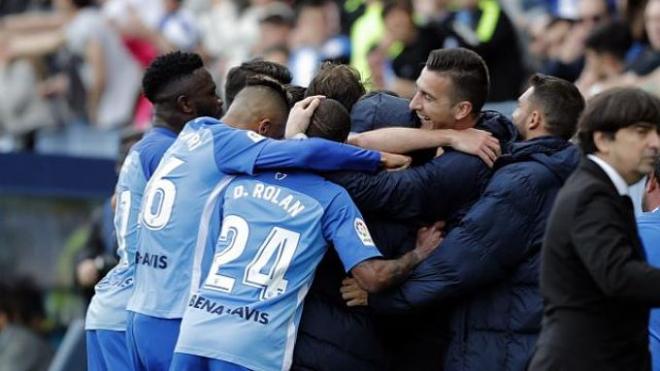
{"x":167,"y":69}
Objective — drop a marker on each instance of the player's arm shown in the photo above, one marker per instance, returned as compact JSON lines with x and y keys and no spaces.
{"x":479,"y":251}
{"x":413,"y":192}
{"x":343,"y":225}
{"x":374,"y":275}
{"x":403,"y":140}
{"x":94,"y":55}
{"x":323,"y":155}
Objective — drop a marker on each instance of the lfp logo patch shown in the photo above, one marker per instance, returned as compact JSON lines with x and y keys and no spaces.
{"x":363,"y":232}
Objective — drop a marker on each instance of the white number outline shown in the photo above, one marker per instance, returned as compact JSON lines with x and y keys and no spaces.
{"x":159,"y":185}
{"x":280,"y":242}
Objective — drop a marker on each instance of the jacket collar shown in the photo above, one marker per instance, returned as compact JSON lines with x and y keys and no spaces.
{"x":614,"y":176}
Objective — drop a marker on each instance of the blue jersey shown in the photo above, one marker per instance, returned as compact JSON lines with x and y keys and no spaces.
{"x":205,"y":151}
{"x":649,"y":232}
{"x":107,"y":310}
{"x":274,"y":231}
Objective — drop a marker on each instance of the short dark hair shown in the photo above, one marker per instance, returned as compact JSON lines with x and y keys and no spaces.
{"x":272,"y":84}
{"x":167,"y":69}
{"x":237,"y":76}
{"x":560,"y":101}
{"x":330,"y":121}
{"x":612,"y":38}
{"x":340,"y":82}
{"x":467,"y":71}
{"x":615,"y":109}
{"x":296,"y":93}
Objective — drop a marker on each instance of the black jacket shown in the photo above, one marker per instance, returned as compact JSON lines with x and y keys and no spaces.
{"x":596,"y":284}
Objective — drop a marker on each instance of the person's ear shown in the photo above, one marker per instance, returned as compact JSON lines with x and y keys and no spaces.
{"x":184,"y":104}
{"x":264,"y":126}
{"x":462,"y":110}
{"x":602,"y":141}
{"x":535,"y":120}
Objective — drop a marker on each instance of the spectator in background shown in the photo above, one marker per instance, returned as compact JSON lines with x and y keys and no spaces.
{"x":316,"y":39}
{"x":484,"y":27}
{"x":405,"y":47}
{"x":606,"y":48}
{"x":648,"y":58}
{"x":23,"y":110}
{"x":568,"y":62}
{"x":275,"y":28}
{"x":237,"y":77}
{"x":110,"y":75}
{"x":21,"y":348}
{"x":632,"y":14}
{"x":644,"y":72}
{"x":230,"y":31}
{"x":277,"y":54}
{"x":649,"y":231}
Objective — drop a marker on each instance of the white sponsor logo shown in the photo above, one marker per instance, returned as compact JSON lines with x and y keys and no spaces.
{"x":254,"y":136}
{"x":363,"y":232}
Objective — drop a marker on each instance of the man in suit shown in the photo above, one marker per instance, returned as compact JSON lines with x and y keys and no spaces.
{"x":596,"y":284}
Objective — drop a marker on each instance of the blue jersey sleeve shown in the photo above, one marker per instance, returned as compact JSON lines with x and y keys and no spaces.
{"x":344,"y":226}
{"x":240,"y":151}
{"x":316,"y":154}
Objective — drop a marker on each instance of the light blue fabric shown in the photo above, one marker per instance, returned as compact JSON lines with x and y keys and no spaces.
{"x":267,"y":237}
{"x":649,"y":231}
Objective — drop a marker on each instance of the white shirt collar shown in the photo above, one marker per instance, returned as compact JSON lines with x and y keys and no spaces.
{"x":615,"y":177}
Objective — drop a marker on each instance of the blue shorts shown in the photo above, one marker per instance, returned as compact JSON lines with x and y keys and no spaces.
{"x":151,"y":341}
{"x":106,"y":350}
{"x":189,"y":362}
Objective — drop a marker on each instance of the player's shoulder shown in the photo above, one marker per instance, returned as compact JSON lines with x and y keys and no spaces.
{"x":155,"y":142}
{"x":310,"y":184}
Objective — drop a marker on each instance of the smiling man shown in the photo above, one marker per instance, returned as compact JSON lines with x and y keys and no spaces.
{"x":595,"y":281}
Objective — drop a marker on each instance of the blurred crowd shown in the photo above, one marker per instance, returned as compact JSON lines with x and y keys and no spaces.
{"x":77,"y":63}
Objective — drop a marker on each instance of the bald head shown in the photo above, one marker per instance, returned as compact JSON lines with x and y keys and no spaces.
{"x":261,"y":107}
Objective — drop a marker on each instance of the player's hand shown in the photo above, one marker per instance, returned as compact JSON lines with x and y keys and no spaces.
{"x":300,"y":115}
{"x":392,"y":161}
{"x":87,"y":273}
{"x":428,"y":239}
{"x":352,"y":293}
{"x":479,"y":143}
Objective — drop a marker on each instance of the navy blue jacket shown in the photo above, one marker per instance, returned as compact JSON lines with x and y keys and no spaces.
{"x":332,"y":336}
{"x":382,"y":110}
{"x":487,"y":267}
